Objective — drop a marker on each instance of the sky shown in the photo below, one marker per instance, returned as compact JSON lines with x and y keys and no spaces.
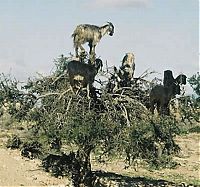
{"x":163,"y":34}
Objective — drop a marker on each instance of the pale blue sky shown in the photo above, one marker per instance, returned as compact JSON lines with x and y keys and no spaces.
{"x":163,"y":34}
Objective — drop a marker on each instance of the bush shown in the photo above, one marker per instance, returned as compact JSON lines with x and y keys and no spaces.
{"x":111,"y":124}
{"x":14,"y":142}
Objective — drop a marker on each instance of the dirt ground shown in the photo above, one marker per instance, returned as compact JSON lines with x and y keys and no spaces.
{"x":18,"y":171}
{"x":187,"y":172}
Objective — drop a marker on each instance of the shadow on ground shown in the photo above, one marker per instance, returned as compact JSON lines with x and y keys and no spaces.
{"x":126,"y":181}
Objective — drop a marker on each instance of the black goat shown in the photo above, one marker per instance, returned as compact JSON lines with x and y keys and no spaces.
{"x":161,"y":95}
{"x":82,"y":75}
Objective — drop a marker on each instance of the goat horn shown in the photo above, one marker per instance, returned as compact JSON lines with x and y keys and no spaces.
{"x":109,"y":23}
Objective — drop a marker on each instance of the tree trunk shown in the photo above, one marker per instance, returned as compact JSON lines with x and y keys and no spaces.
{"x":81,"y":169}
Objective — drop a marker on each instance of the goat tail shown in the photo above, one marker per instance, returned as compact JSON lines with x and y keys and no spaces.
{"x":75,"y":36}
{"x":74,"y":40}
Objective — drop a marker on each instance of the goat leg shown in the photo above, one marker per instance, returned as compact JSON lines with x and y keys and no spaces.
{"x":88,"y":91}
{"x":152,"y":107}
{"x":160,"y":108}
{"x":92,"y":54}
{"x":82,"y":49}
{"x":76,"y":51}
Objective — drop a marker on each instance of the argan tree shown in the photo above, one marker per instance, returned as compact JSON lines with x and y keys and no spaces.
{"x":109,"y":125}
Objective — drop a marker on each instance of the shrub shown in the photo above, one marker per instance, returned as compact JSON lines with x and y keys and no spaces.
{"x":111,"y":125}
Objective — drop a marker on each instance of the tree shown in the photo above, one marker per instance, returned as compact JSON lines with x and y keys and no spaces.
{"x":113,"y":124}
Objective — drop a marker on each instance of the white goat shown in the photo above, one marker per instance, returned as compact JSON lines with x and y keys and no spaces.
{"x":124,"y":76}
{"x":128,"y":66}
{"x":90,"y":34}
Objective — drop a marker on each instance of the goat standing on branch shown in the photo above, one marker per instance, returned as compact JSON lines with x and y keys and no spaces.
{"x":127,"y":69}
{"x":161,"y":95}
{"x":82,"y":75}
{"x":90,"y":34}
{"x":124,"y":76}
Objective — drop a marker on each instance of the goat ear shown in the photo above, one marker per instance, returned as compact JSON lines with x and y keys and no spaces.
{"x":115,"y":69}
{"x":110,"y":24}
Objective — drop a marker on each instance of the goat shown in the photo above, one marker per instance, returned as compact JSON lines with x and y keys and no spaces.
{"x":82,"y":75}
{"x":124,"y":76}
{"x":162,"y":94}
{"x":91,"y":34}
{"x":128,"y":65}
{"x":127,"y":69}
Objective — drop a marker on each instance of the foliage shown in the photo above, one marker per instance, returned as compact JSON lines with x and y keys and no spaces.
{"x":195,"y":129}
{"x":190,"y":105}
{"x":14,"y":142}
{"x":16,"y":102}
{"x":109,"y":125}
{"x":189,"y":109}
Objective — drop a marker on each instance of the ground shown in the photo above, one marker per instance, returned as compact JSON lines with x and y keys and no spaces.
{"x":18,"y":171}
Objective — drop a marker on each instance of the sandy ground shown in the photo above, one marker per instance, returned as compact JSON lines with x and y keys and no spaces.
{"x":187,"y":172}
{"x":18,"y":171}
